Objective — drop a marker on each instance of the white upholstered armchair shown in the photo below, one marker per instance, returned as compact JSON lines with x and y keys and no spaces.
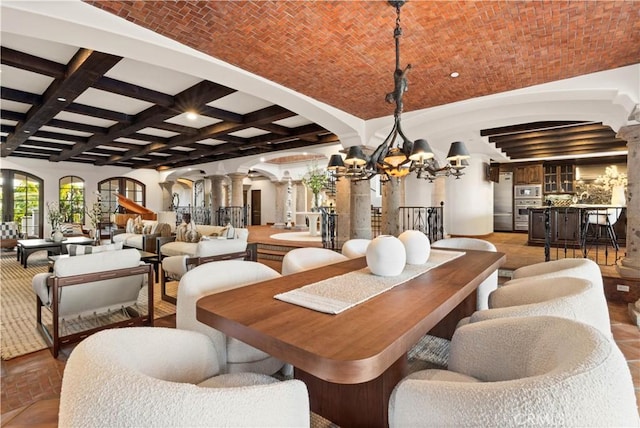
{"x":489,"y":284}
{"x":354,"y":248}
{"x":566,"y":297}
{"x":301,"y":259}
{"x":215,"y":277}
{"x":160,"y":377}
{"x":575,"y":267}
{"x":513,"y":372}
{"x":89,"y":285}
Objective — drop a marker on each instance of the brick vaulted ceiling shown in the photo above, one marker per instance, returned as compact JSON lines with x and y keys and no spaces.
{"x":93,"y":107}
{"x":342,"y":52}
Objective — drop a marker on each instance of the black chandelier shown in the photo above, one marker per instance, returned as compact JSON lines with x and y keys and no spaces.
{"x":397,"y":156}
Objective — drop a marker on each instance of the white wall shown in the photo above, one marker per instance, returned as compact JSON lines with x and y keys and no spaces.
{"x":469,"y":201}
{"x":51,"y":172}
{"x":267,"y":200}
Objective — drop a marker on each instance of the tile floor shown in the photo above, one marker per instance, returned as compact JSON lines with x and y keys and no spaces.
{"x":35,"y":379}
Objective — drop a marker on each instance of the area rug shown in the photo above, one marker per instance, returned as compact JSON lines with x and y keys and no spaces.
{"x":18,"y":332}
{"x":296,"y":236}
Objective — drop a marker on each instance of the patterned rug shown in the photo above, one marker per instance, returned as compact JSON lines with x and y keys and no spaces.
{"x":18,"y":332}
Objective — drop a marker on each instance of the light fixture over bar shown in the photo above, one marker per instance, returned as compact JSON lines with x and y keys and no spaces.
{"x":398,"y":156}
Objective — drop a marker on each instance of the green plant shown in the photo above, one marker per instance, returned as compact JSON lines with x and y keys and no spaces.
{"x":95,"y":212}
{"x":54,"y":215}
{"x":316,"y":180}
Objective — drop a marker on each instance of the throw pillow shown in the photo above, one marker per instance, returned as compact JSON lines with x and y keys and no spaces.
{"x":138,"y":228}
{"x":191,"y":233}
{"x":180,"y":233}
{"x":78,"y":250}
{"x":147,"y":229}
{"x":129,"y":227}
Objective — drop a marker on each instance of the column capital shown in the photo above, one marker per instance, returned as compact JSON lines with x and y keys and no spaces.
{"x":630,"y":133}
{"x":236,"y":175}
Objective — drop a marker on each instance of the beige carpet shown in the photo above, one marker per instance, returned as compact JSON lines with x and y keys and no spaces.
{"x":18,"y":332}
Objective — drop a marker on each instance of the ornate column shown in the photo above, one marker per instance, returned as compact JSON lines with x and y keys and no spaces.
{"x":281,"y":204}
{"x":167,"y":195}
{"x":360,"y":209}
{"x":629,"y":266}
{"x":217,"y":194}
{"x":392,"y":200}
{"x":343,"y":209}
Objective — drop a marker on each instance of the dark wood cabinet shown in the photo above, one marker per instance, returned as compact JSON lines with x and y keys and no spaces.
{"x":527,"y":174}
{"x":559,"y":178}
{"x":564,"y":224}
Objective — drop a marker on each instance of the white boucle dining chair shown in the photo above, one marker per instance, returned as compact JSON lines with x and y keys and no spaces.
{"x":354,"y":248}
{"x":512,"y":372}
{"x":575,"y":267}
{"x":215,"y":277}
{"x":301,"y":259}
{"x":566,"y":297}
{"x":489,"y":284}
{"x":162,"y":377}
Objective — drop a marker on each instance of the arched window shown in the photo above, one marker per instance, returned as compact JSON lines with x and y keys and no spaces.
{"x":127,"y":187}
{"x":71,"y":202}
{"x":22,"y":201}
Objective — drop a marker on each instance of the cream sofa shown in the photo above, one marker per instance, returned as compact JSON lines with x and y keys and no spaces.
{"x":178,"y":257}
{"x":168,"y":246}
{"x":141,"y":241}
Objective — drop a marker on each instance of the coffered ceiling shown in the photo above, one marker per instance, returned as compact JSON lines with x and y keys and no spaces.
{"x":70,"y":102}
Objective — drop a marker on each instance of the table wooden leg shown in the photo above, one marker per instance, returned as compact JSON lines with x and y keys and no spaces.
{"x":357,"y":405}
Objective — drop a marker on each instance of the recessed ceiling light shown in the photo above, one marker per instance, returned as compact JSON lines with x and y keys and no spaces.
{"x":262,"y":159}
{"x":192,"y":115}
{"x":26,"y":131}
{"x":454,"y":74}
{"x":62,"y":99}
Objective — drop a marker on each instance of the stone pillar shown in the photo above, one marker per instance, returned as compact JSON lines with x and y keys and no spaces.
{"x":392,"y":200}
{"x":360,"y":209}
{"x":237,"y":179}
{"x":167,"y":195}
{"x":301,"y":206}
{"x":439,"y":195}
{"x":629,"y":267}
{"x":217,"y":195}
{"x":343,"y":209}
{"x":281,"y":204}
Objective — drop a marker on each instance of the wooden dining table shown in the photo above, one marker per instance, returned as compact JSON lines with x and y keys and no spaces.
{"x":351,"y":361}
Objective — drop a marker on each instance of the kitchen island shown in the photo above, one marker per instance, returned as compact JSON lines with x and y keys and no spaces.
{"x":567,"y":225}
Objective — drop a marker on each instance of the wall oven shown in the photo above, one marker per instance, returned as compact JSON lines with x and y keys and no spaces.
{"x":521,"y":212}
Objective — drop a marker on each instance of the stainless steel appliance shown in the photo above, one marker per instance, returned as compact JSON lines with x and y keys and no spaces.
{"x":503,"y":203}
{"x":525,"y":197}
{"x":528,"y":191}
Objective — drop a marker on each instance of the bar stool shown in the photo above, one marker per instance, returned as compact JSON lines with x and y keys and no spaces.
{"x":596,"y":220}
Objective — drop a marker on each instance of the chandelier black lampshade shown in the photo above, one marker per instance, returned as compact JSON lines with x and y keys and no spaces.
{"x":421,"y":151}
{"x":355,"y":157}
{"x":457,"y":151}
{"x":335,"y":162}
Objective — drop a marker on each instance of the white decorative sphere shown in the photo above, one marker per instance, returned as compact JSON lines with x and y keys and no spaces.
{"x":416,"y":245}
{"x":386,"y":256}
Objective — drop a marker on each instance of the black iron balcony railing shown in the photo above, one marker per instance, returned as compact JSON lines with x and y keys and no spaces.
{"x":596,"y":232}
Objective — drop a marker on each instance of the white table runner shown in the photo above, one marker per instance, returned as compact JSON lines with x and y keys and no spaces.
{"x":339,"y":293}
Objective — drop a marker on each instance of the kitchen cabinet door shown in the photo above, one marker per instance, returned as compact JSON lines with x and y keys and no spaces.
{"x":566,"y":227}
{"x":536,"y":226}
